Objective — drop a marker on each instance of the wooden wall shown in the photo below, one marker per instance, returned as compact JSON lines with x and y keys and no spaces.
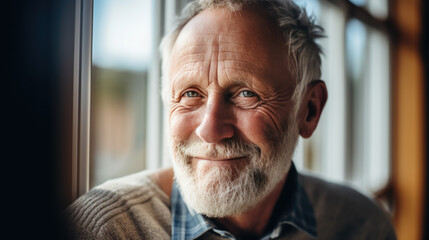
{"x":408,"y":119}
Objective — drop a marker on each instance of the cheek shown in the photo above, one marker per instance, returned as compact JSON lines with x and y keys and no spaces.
{"x":182,"y":124}
{"x":258,"y":128}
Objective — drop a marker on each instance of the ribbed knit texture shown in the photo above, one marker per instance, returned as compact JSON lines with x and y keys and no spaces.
{"x":124,"y":208}
{"x":134,"y":207}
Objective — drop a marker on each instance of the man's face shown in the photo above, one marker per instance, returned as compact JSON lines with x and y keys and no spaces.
{"x":231,"y":123}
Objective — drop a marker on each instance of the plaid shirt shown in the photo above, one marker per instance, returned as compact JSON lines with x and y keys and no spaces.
{"x":296,"y":212}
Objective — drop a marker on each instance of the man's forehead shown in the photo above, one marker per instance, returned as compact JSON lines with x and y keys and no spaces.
{"x":196,"y":42}
{"x":247,"y":26}
{"x":244,"y":32}
{"x":241,"y":44}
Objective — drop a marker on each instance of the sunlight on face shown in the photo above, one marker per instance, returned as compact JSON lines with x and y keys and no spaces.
{"x":232,"y":127}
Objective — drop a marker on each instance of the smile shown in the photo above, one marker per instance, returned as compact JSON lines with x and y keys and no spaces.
{"x":219,"y":159}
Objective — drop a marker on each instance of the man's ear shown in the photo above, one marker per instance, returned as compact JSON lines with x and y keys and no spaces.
{"x":311,"y":107}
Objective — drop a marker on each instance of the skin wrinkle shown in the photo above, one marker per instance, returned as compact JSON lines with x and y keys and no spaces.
{"x":182,"y":84}
{"x":246,"y":78}
{"x":218,"y":54}
{"x":269,"y":95}
{"x":243,"y":64}
{"x":225,"y":61}
{"x":228,"y":64}
{"x":250,"y":81}
{"x":272,"y":116}
{"x":194,"y":42}
{"x":192,"y":65}
{"x":240,"y":56}
{"x":242,"y":60}
{"x":192,"y":52}
{"x":272,"y":96}
{"x":242,"y":104}
{"x":266,"y":107}
{"x":247,"y":73}
{"x":193,"y":57}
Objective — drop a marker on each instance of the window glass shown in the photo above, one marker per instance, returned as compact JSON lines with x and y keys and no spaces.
{"x":311,"y":6}
{"x":358,"y":2}
{"x":356,"y":52}
{"x":378,"y":8}
{"x":368,"y":74}
{"x":379,"y":135}
{"x":122,"y":47}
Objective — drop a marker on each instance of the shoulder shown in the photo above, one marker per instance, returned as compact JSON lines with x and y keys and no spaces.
{"x":131,"y":207}
{"x":344,"y":213}
{"x":321,"y":190}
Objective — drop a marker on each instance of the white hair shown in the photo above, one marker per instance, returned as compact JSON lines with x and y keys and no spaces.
{"x":299,"y":31}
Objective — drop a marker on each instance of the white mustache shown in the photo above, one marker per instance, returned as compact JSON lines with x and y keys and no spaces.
{"x":232,"y":148}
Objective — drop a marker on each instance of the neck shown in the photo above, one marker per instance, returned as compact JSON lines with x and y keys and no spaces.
{"x":253,"y":223}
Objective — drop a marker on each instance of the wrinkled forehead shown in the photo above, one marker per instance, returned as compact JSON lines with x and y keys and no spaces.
{"x":247,"y":34}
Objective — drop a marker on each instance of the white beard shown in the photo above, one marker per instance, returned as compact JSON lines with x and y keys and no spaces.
{"x":226,"y":190}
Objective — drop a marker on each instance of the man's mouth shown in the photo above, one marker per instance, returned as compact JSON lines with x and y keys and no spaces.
{"x":219,"y":158}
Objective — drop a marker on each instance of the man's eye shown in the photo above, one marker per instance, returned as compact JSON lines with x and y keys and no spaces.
{"x":247,"y":94}
{"x":192,"y":94}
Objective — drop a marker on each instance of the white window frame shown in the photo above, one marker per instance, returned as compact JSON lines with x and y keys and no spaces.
{"x":154,"y":117}
{"x":81,"y":97}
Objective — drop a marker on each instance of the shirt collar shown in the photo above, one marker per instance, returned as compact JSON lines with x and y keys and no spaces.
{"x":295,"y":211}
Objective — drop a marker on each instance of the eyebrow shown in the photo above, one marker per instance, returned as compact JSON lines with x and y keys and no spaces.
{"x":186,"y":79}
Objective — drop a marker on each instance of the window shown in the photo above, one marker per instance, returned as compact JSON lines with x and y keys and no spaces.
{"x":118,"y":115}
{"x":352,"y":141}
{"x":122,"y":52}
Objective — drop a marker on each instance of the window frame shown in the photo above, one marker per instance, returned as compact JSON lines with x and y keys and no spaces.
{"x":81,"y":98}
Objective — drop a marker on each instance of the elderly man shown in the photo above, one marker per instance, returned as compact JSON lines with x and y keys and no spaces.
{"x":241,"y":81}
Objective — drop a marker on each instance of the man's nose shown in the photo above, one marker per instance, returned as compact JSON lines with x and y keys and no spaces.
{"x":217,"y":123}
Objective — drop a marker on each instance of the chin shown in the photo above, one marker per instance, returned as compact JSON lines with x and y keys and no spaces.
{"x":232,"y":187}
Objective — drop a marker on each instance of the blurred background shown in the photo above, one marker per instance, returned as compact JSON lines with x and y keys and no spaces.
{"x":85,"y":104}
